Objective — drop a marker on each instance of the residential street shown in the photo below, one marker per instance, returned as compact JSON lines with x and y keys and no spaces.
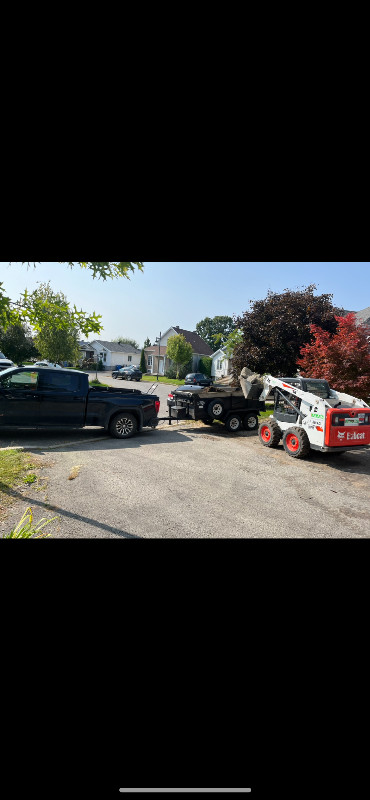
{"x":189,"y":481}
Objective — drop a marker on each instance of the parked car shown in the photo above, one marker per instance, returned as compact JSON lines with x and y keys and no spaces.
{"x":128,"y":374}
{"x":5,"y":363}
{"x":48,"y":364}
{"x":197,"y":379}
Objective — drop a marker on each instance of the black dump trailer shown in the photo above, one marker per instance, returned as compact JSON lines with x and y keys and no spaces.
{"x":223,"y":403}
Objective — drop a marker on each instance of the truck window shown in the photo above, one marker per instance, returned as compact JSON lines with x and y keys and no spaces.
{"x":19,"y":380}
{"x":58,"y":381}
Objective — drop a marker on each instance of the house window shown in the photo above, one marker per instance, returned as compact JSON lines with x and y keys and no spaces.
{"x":105,"y":356}
{"x":129,"y":359}
{"x":219,"y":363}
{"x":150,"y":361}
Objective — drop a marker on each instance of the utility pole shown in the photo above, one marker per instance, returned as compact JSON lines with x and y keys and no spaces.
{"x":158,"y":341}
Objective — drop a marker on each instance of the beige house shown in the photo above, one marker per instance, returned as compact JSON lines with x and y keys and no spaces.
{"x":156,"y":357}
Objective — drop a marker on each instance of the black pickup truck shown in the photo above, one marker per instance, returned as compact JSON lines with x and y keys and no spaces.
{"x":46,"y":398}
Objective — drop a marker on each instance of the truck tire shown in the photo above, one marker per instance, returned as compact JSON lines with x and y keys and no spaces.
{"x":233,"y":423}
{"x":123,"y":426}
{"x":269,"y":433}
{"x":296,"y":443}
{"x":216,"y":409}
{"x":250,"y":422}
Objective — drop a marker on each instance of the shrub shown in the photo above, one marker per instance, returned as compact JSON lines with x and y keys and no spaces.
{"x":205,"y":366}
{"x":171,"y":371}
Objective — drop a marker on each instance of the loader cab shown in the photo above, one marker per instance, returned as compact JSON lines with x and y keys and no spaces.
{"x":283,"y":411}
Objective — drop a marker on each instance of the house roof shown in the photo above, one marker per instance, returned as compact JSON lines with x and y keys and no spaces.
{"x":363,"y":316}
{"x":114,"y":347}
{"x":198,"y":344}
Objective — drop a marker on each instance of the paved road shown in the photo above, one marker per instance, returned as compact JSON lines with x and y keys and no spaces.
{"x":189,"y":481}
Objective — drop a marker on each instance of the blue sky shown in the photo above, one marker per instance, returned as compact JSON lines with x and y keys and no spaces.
{"x":184,"y":292}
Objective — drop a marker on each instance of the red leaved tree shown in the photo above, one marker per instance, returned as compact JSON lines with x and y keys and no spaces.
{"x":342,"y":358}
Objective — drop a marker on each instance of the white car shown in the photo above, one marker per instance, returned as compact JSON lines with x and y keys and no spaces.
{"x":5,"y":363}
{"x":48,"y":364}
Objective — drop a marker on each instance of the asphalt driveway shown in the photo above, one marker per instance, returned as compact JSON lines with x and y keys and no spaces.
{"x":191,"y":481}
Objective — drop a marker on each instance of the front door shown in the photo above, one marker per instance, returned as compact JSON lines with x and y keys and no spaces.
{"x":19,"y":400}
{"x":161,"y":366}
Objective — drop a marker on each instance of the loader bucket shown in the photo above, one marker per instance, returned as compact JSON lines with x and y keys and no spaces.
{"x":251,"y":384}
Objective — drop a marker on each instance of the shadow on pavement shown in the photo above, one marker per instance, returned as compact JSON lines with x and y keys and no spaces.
{"x":42,"y":441}
{"x":66,"y":514}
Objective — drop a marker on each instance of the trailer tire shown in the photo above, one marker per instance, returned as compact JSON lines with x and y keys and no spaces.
{"x":123,"y":426}
{"x":296,"y":443}
{"x":250,"y":422}
{"x":216,"y":409}
{"x":233,"y":423}
{"x":269,"y":433}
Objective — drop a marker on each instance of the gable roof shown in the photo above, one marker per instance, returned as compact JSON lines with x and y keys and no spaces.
{"x":114,"y":347}
{"x":198,"y":344}
{"x":363,"y":316}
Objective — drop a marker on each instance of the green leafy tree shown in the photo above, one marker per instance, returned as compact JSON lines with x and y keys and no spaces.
{"x":17,"y":343}
{"x":50,"y":315}
{"x":147,"y":343}
{"x":275,"y":329}
{"x":234,"y":338}
{"x":179,"y":351}
{"x":15,"y":313}
{"x":143,"y":362}
{"x":215,"y":331}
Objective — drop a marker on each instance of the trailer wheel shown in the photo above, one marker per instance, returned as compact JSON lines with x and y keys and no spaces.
{"x":250,"y":422}
{"x":123,"y":426}
{"x":233,"y":423}
{"x":296,"y":443}
{"x":216,"y":409}
{"x":269,"y":433}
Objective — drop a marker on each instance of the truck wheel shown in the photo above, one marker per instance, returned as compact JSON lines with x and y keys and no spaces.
{"x":233,"y":424}
{"x":296,"y":443}
{"x":269,"y":433}
{"x":123,"y":426}
{"x":215,"y":409}
{"x":250,"y":422}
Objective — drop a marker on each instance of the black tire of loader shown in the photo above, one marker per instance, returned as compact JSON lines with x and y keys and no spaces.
{"x":276,"y":433}
{"x":304,"y":443}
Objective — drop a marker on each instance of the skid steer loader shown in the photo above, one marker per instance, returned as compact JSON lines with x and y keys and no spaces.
{"x":309,"y":415}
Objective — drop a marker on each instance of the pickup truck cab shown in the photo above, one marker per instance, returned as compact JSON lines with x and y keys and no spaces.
{"x":33,"y":397}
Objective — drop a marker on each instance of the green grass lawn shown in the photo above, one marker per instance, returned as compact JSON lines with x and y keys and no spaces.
{"x":170,"y":381}
{"x":16,"y":469}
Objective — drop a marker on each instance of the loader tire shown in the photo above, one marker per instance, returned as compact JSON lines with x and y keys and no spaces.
{"x":269,"y":433}
{"x":296,"y":443}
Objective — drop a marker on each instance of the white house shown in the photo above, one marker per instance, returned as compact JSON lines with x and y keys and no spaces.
{"x":156,"y":356}
{"x":113,"y":355}
{"x":221,"y":364}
